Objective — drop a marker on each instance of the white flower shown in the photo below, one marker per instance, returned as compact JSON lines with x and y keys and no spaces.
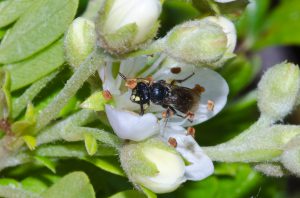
{"x":125,"y":25}
{"x":123,"y":12}
{"x":216,"y":91}
{"x":200,"y":165}
{"x":171,"y":170}
{"x":128,"y":124}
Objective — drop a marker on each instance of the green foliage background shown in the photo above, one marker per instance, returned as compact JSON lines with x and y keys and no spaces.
{"x":31,"y":49}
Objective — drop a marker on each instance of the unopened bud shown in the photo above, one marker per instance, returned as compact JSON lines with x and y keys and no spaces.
{"x":80,"y":41}
{"x":153,"y":164}
{"x":206,"y":42}
{"x":123,"y":26}
{"x":278,"y":90}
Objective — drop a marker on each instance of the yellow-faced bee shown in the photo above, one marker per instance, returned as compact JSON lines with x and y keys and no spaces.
{"x":177,"y":100}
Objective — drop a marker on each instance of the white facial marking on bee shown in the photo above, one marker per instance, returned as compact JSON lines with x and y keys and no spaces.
{"x":137,"y":99}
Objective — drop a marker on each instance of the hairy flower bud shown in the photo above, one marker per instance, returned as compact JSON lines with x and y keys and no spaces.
{"x":278,"y":90}
{"x":206,"y":42}
{"x":79,"y":41}
{"x":123,"y":26}
{"x":153,"y":165}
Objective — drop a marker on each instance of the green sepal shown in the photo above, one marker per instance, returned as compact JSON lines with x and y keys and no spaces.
{"x":121,"y":41}
{"x":134,"y":161}
{"x":91,"y":145}
{"x":30,"y":141}
{"x":5,"y":97}
{"x":96,"y":102}
{"x":25,"y":126}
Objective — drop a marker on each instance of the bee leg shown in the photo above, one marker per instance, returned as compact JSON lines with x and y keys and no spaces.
{"x":142,"y":109}
{"x":182,"y":80}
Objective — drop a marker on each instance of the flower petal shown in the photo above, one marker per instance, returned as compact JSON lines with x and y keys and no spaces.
{"x":216,"y":90}
{"x":129,"y":125}
{"x":201,"y":165}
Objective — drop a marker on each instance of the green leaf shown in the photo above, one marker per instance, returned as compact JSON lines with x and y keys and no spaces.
{"x":46,"y":162}
{"x":11,"y":10}
{"x":71,"y":150}
{"x":5,"y":97}
{"x":96,"y":102}
{"x":21,"y":102}
{"x":148,"y":192}
{"x":10,"y":182}
{"x":239,"y":73}
{"x":40,"y":26}
{"x":33,"y":184}
{"x":282,"y":26}
{"x":75,"y":185}
{"x":90,"y":144}
{"x":30,"y":70}
{"x":108,"y":164}
{"x":128,"y":194}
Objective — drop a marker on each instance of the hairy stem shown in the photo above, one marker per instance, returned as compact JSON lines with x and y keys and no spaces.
{"x":86,"y":69}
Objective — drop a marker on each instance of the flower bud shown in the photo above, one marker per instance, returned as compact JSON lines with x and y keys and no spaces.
{"x":153,"y":165}
{"x":205,"y":42}
{"x":80,"y":41}
{"x":278,"y":90}
{"x":123,"y":26}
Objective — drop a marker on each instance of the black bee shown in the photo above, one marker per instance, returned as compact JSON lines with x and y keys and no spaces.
{"x":170,"y":96}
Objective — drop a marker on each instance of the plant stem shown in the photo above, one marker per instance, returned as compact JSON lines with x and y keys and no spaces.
{"x":86,"y":69}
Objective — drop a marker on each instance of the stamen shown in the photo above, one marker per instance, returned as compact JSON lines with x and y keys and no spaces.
{"x":107,"y":95}
{"x":191,"y":131}
{"x":131,"y":83}
{"x":190,"y":115}
{"x":172,"y":142}
{"x":210,"y":105}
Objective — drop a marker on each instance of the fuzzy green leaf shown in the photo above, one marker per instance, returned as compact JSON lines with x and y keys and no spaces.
{"x":30,"y":70}
{"x":107,"y":164}
{"x":11,"y":10}
{"x":75,"y":185}
{"x":21,"y":102}
{"x":41,"y":25}
{"x":5,"y":97}
{"x":46,"y":162}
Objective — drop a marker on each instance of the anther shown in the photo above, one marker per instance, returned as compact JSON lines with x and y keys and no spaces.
{"x":210,"y":105}
{"x":191,"y":131}
{"x":172,"y":142}
{"x":131,"y":83}
{"x":107,"y":95}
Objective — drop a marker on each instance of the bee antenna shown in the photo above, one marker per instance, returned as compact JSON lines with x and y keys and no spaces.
{"x":122,"y":76}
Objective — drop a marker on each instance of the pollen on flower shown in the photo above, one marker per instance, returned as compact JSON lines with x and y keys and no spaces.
{"x":107,"y":95}
{"x":191,"y":131}
{"x":175,"y":70}
{"x":198,"y":89}
{"x":172,"y":142}
{"x":210,"y":105}
{"x":131,"y":83}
